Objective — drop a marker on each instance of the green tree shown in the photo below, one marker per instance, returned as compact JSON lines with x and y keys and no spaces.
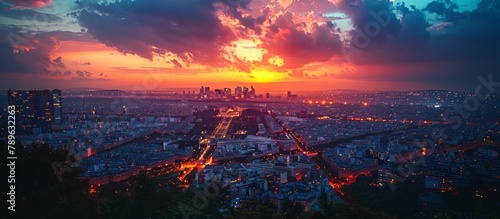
{"x":40,"y":193}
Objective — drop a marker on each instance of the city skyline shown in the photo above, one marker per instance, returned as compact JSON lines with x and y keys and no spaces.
{"x":314,"y":150}
{"x":308,"y":45}
{"x":250,"y":109}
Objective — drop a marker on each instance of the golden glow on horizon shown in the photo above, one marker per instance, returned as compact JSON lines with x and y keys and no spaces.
{"x":264,"y":76}
{"x":128,"y":71}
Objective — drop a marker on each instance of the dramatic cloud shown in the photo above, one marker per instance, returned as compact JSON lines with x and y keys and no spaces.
{"x":196,"y":31}
{"x":188,"y":29}
{"x":473,"y":38}
{"x":446,"y":9}
{"x":28,"y":55}
{"x":271,"y":40}
{"x":298,"y":46}
{"x":58,"y":61}
{"x":463,"y":45}
{"x":35,"y":54}
{"x":374,"y":18}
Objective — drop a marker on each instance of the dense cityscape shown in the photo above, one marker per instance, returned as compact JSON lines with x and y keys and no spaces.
{"x":277,"y":150}
{"x":250,"y":109}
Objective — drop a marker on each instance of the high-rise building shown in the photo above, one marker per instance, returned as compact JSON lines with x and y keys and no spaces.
{"x":252,"y":92}
{"x":238,"y":91}
{"x":36,"y":109}
{"x":219,"y":93}
{"x":245,"y":92}
{"x":289,"y":95}
{"x":25,"y":112}
{"x":202,"y":91}
{"x":56,"y":106}
{"x":227,"y":92}
{"x":268,"y":95}
{"x":207,"y":93}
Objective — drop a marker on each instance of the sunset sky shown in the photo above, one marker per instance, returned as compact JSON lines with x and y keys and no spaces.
{"x":275,"y":45}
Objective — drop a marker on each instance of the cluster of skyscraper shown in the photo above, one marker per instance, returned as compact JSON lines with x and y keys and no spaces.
{"x":225,"y":93}
{"x":36,"y":110}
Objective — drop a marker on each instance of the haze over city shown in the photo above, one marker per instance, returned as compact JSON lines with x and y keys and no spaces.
{"x":250,"y":109}
{"x":307,"y":45}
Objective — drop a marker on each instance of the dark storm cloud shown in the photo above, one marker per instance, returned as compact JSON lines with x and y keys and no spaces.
{"x":298,"y":47}
{"x":488,"y":5}
{"x":9,"y":61}
{"x":193,"y":31}
{"x":414,"y":27}
{"x":189,"y":29}
{"x":473,"y":38}
{"x":459,"y":49}
{"x":235,"y":7}
{"x":33,"y":54}
{"x":27,"y":55}
{"x":362,"y":14}
{"x":445,"y":8}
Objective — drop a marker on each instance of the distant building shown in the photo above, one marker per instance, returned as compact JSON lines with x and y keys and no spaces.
{"x":227,"y":92}
{"x":57,"y":106}
{"x":251,"y":93}
{"x":432,"y":182}
{"x":36,"y":109}
{"x":349,"y":165}
{"x":268,"y":95}
{"x":289,"y":95}
{"x":385,"y":175}
{"x":238,"y":91}
{"x":245,"y":92}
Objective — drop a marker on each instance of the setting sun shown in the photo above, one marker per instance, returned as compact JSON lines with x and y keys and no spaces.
{"x":265,"y":76}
